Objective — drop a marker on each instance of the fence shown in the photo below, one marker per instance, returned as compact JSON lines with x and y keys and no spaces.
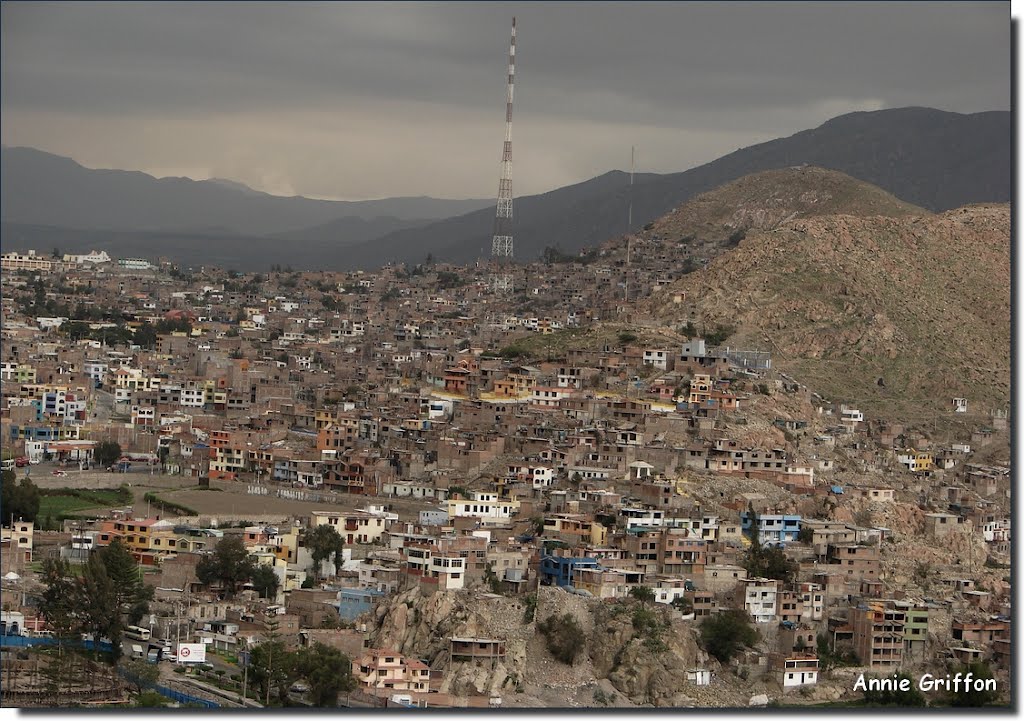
{"x":179,"y":696}
{"x":31,"y":641}
{"x":298,"y":495}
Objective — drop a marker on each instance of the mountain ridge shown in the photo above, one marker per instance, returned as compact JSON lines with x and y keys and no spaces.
{"x":40,"y":188}
{"x":931,"y":158}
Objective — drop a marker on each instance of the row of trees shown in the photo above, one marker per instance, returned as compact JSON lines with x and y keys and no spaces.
{"x":101,"y":597}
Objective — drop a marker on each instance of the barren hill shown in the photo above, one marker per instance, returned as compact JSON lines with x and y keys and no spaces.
{"x":716,"y":220}
{"x":895,"y":314}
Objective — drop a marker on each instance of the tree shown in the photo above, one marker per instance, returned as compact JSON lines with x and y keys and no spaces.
{"x":75,"y":330}
{"x":911,"y":697}
{"x":18,"y":500}
{"x":767,"y":561}
{"x":718,"y":336}
{"x":725,"y":633}
{"x":151,"y":699}
{"x":60,"y":601}
{"x":107,"y":453}
{"x":972,"y":697}
{"x":132,"y":596}
{"x":100,"y":615}
{"x":141,"y":674}
{"x":563,"y":637}
{"x":643,"y":594}
{"x":265,"y":581}
{"x":328,"y":672}
{"x":682,"y":604}
{"x":230,"y":564}
{"x":145,"y":335}
{"x":322,"y":542}
{"x":272,"y":668}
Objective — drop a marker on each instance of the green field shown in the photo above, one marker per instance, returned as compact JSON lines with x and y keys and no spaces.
{"x":58,"y":503}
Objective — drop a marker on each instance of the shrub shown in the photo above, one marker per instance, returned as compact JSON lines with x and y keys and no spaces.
{"x":531,"y":608}
{"x":718,"y":336}
{"x":563,"y":636}
{"x":725,"y":634}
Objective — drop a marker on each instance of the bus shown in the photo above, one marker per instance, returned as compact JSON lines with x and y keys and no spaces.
{"x":137,"y":632}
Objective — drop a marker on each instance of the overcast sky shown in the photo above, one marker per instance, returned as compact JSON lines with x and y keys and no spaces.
{"x":356,"y":101}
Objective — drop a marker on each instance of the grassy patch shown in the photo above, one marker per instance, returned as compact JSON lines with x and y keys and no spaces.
{"x":58,"y":503}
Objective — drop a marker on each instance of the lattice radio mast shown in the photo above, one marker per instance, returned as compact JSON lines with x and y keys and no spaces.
{"x":501,"y":245}
{"x":629,"y":222}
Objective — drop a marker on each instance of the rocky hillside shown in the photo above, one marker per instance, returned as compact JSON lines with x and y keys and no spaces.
{"x":626,"y":663}
{"x":897,"y":313}
{"x":716,"y":220}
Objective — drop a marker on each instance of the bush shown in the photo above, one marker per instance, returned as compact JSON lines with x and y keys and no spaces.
{"x":563,"y":636}
{"x":911,"y":697}
{"x":725,"y":634}
{"x":717,"y":337}
{"x":645,"y":622}
{"x":151,"y":699}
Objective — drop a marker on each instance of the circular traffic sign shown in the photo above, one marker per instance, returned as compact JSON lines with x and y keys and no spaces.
{"x":184,"y":652}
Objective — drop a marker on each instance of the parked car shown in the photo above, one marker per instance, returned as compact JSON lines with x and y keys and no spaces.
{"x":21,"y":461}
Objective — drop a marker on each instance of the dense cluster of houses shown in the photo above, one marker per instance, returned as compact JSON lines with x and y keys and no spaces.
{"x":580,"y":472}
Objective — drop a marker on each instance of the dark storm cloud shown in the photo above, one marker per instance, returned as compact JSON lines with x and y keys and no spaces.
{"x":760,"y":69}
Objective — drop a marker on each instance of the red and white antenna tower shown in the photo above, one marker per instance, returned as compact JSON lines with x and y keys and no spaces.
{"x":501,"y":245}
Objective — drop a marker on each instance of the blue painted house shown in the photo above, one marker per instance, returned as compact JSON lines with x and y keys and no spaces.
{"x":558,"y":570}
{"x":772,"y":529}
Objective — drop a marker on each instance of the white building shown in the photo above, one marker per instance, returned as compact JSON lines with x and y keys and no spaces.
{"x":760,"y":598}
{"x":657,"y":357}
{"x":536,"y":476}
{"x":91,"y":257}
{"x":485,"y":506}
{"x":29,"y":261}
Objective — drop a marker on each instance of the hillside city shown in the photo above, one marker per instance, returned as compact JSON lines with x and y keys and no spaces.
{"x":401,"y":488}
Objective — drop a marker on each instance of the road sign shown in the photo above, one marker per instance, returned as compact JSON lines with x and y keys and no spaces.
{"x":243,"y":658}
{"x":191,"y":653}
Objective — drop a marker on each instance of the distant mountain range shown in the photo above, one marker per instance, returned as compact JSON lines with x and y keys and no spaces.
{"x":931,"y":158}
{"x":38,"y":188}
